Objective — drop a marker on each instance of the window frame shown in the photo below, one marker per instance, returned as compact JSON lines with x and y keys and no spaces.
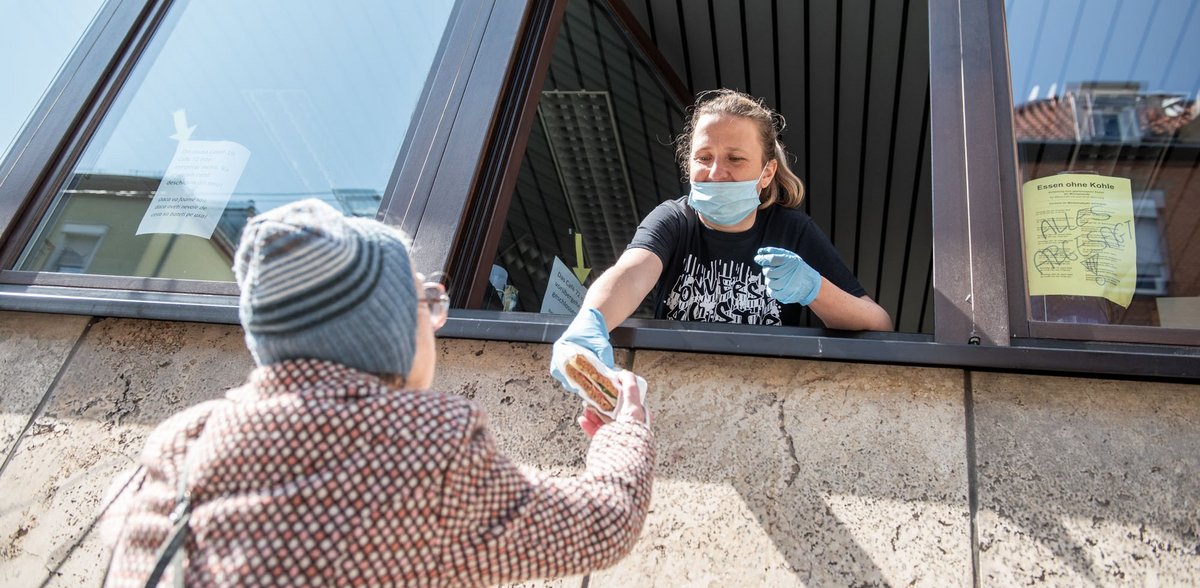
{"x":977,"y":326}
{"x":460,"y":83}
{"x":1008,"y":193}
{"x":479,"y":121}
{"x":51,"y":123}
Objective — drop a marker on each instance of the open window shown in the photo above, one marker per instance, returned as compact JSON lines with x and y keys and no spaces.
{"x":850,"y":78}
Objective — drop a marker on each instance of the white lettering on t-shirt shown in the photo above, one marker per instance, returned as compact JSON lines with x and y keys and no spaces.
{"x":721,"y":291}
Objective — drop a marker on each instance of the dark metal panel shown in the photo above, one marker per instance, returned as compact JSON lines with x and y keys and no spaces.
{"x":434,"y":226}
{"x":918,"y":251}
{"x":638,"y":10}
{"x":889,"y":23}
{"x":908,"y":130}
{"x":759,"y":30}
{"x":669,"y":37}
{"x":666,"y":73}
{"x":412,"y":181}
{"x":953,"y":310}
{"x":1121,"y":333}
{"x":463,"y":232}
{"x":130,"y":304}
{"x":700,"y":46}
{"x":1009,"y":174}
{"x":792,"y":75}
{"x":163,"y":285}
{"x":970,"y":263}
{"x":1059,"y":357}
{"x":822,"y":108}
{"x":853,"y":75}
{"x":728,"y":26}
{"x":990,"y":282}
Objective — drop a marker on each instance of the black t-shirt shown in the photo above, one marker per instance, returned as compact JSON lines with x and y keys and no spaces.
{"x":711,"y":276}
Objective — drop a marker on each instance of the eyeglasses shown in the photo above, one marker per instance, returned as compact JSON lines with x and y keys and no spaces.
{"x":434,"y":295}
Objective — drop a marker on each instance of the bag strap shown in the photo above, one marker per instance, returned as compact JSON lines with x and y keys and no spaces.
{"x":172,"y":550}
{"x":121,"y":533}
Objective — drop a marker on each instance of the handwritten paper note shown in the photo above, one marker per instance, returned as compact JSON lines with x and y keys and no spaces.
{"x":195,"y":188}
{"x":1079,"y":237}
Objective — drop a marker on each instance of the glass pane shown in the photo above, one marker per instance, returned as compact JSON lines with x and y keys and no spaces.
{"x":43,"y":35}
{"x":1108,"y":142}
{"x":603,"y":128}
{"x":235,"y":109}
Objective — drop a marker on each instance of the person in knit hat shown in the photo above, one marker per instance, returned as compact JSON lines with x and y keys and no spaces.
{"x":335,"y":465}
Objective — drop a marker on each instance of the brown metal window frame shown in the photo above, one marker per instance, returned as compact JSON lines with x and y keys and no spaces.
{"x":979,"y":283}
{"x":461,"y":163}
{"x":456,"y":106}
{"x":978,"y":183}
{"x":973,"y":329}
{"x":1010,"y":193}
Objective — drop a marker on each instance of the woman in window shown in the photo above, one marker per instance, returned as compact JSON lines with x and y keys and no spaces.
{"x":334,"y":464}
{"x":736,"y":249}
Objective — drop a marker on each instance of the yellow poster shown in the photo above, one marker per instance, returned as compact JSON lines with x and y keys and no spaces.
{"x":1079,"y":237}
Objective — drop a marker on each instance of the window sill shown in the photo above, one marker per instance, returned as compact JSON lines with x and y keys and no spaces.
{"x":1077,"y":358}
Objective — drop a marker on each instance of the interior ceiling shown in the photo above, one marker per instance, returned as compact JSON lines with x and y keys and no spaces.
{"x":852,"y":79}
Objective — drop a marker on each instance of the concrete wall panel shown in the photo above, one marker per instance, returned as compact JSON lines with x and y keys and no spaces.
{"x":1087,"y":482}
{"x":33,"y":348}
{"x":126,"y":377}
{"x":789,"y":472}
{"x":770,"y":471}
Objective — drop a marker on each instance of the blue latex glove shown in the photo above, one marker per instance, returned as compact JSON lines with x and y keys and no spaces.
{"x":789,"y":279}
{"x":587,"y":331}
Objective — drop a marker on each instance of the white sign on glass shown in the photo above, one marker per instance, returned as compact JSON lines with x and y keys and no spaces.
{"x":564,"y":293}
{"x":196,"y":186}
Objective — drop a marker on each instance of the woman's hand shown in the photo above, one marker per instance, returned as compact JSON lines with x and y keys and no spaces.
{"x":586,"y":331}
{"x":630,"y":406}
{"x":788,"y":277}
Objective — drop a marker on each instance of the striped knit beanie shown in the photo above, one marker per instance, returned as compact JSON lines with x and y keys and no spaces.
{"x":318,"y":285}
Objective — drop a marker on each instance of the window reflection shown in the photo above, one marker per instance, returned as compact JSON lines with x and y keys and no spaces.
{"x":43,"y":35}
{"x":234,"y":109}
{"x":1108,"y":89}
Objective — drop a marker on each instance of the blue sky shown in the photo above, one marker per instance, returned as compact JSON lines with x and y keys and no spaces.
{"x":42,"y":34}
{"x":1056,"y":42}
{"x":321,"y":93}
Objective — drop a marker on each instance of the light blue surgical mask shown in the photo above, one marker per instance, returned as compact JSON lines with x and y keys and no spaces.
{"x":725,"y":203}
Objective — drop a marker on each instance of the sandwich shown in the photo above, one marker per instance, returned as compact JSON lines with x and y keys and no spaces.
{"x":597,"y":387}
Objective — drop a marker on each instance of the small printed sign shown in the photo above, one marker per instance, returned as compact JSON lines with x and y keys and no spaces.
{"x":564,"y":293}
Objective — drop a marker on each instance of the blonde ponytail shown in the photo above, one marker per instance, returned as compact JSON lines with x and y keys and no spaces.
{"x":785,"y":188}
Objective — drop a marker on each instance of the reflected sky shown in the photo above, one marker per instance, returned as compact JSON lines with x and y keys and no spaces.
{"x":1062,"y":42}
{"x":321,"y":93}
{"x":42,"y":34}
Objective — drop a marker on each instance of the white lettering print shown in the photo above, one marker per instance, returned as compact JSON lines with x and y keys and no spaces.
{"x":721,"y":291}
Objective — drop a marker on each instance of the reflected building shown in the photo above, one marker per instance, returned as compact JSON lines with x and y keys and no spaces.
{"x":94,"y":231}
{"x":1151,"y":138}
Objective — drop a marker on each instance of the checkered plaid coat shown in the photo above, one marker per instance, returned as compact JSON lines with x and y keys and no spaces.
{"x":313,"y":473}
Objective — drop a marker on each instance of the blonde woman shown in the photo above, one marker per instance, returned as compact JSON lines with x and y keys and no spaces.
{"x":736,"y":249}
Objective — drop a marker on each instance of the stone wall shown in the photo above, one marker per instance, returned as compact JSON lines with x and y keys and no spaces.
{"x":770,"y":472}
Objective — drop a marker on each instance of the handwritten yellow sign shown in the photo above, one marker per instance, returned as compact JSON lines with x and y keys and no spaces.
{"x":1079,"y":237}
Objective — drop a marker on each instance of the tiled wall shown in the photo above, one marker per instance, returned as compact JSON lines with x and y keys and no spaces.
{"x":770,"y":472}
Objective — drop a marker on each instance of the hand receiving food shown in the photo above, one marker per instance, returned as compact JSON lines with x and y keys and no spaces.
{"x":630,"y":405}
